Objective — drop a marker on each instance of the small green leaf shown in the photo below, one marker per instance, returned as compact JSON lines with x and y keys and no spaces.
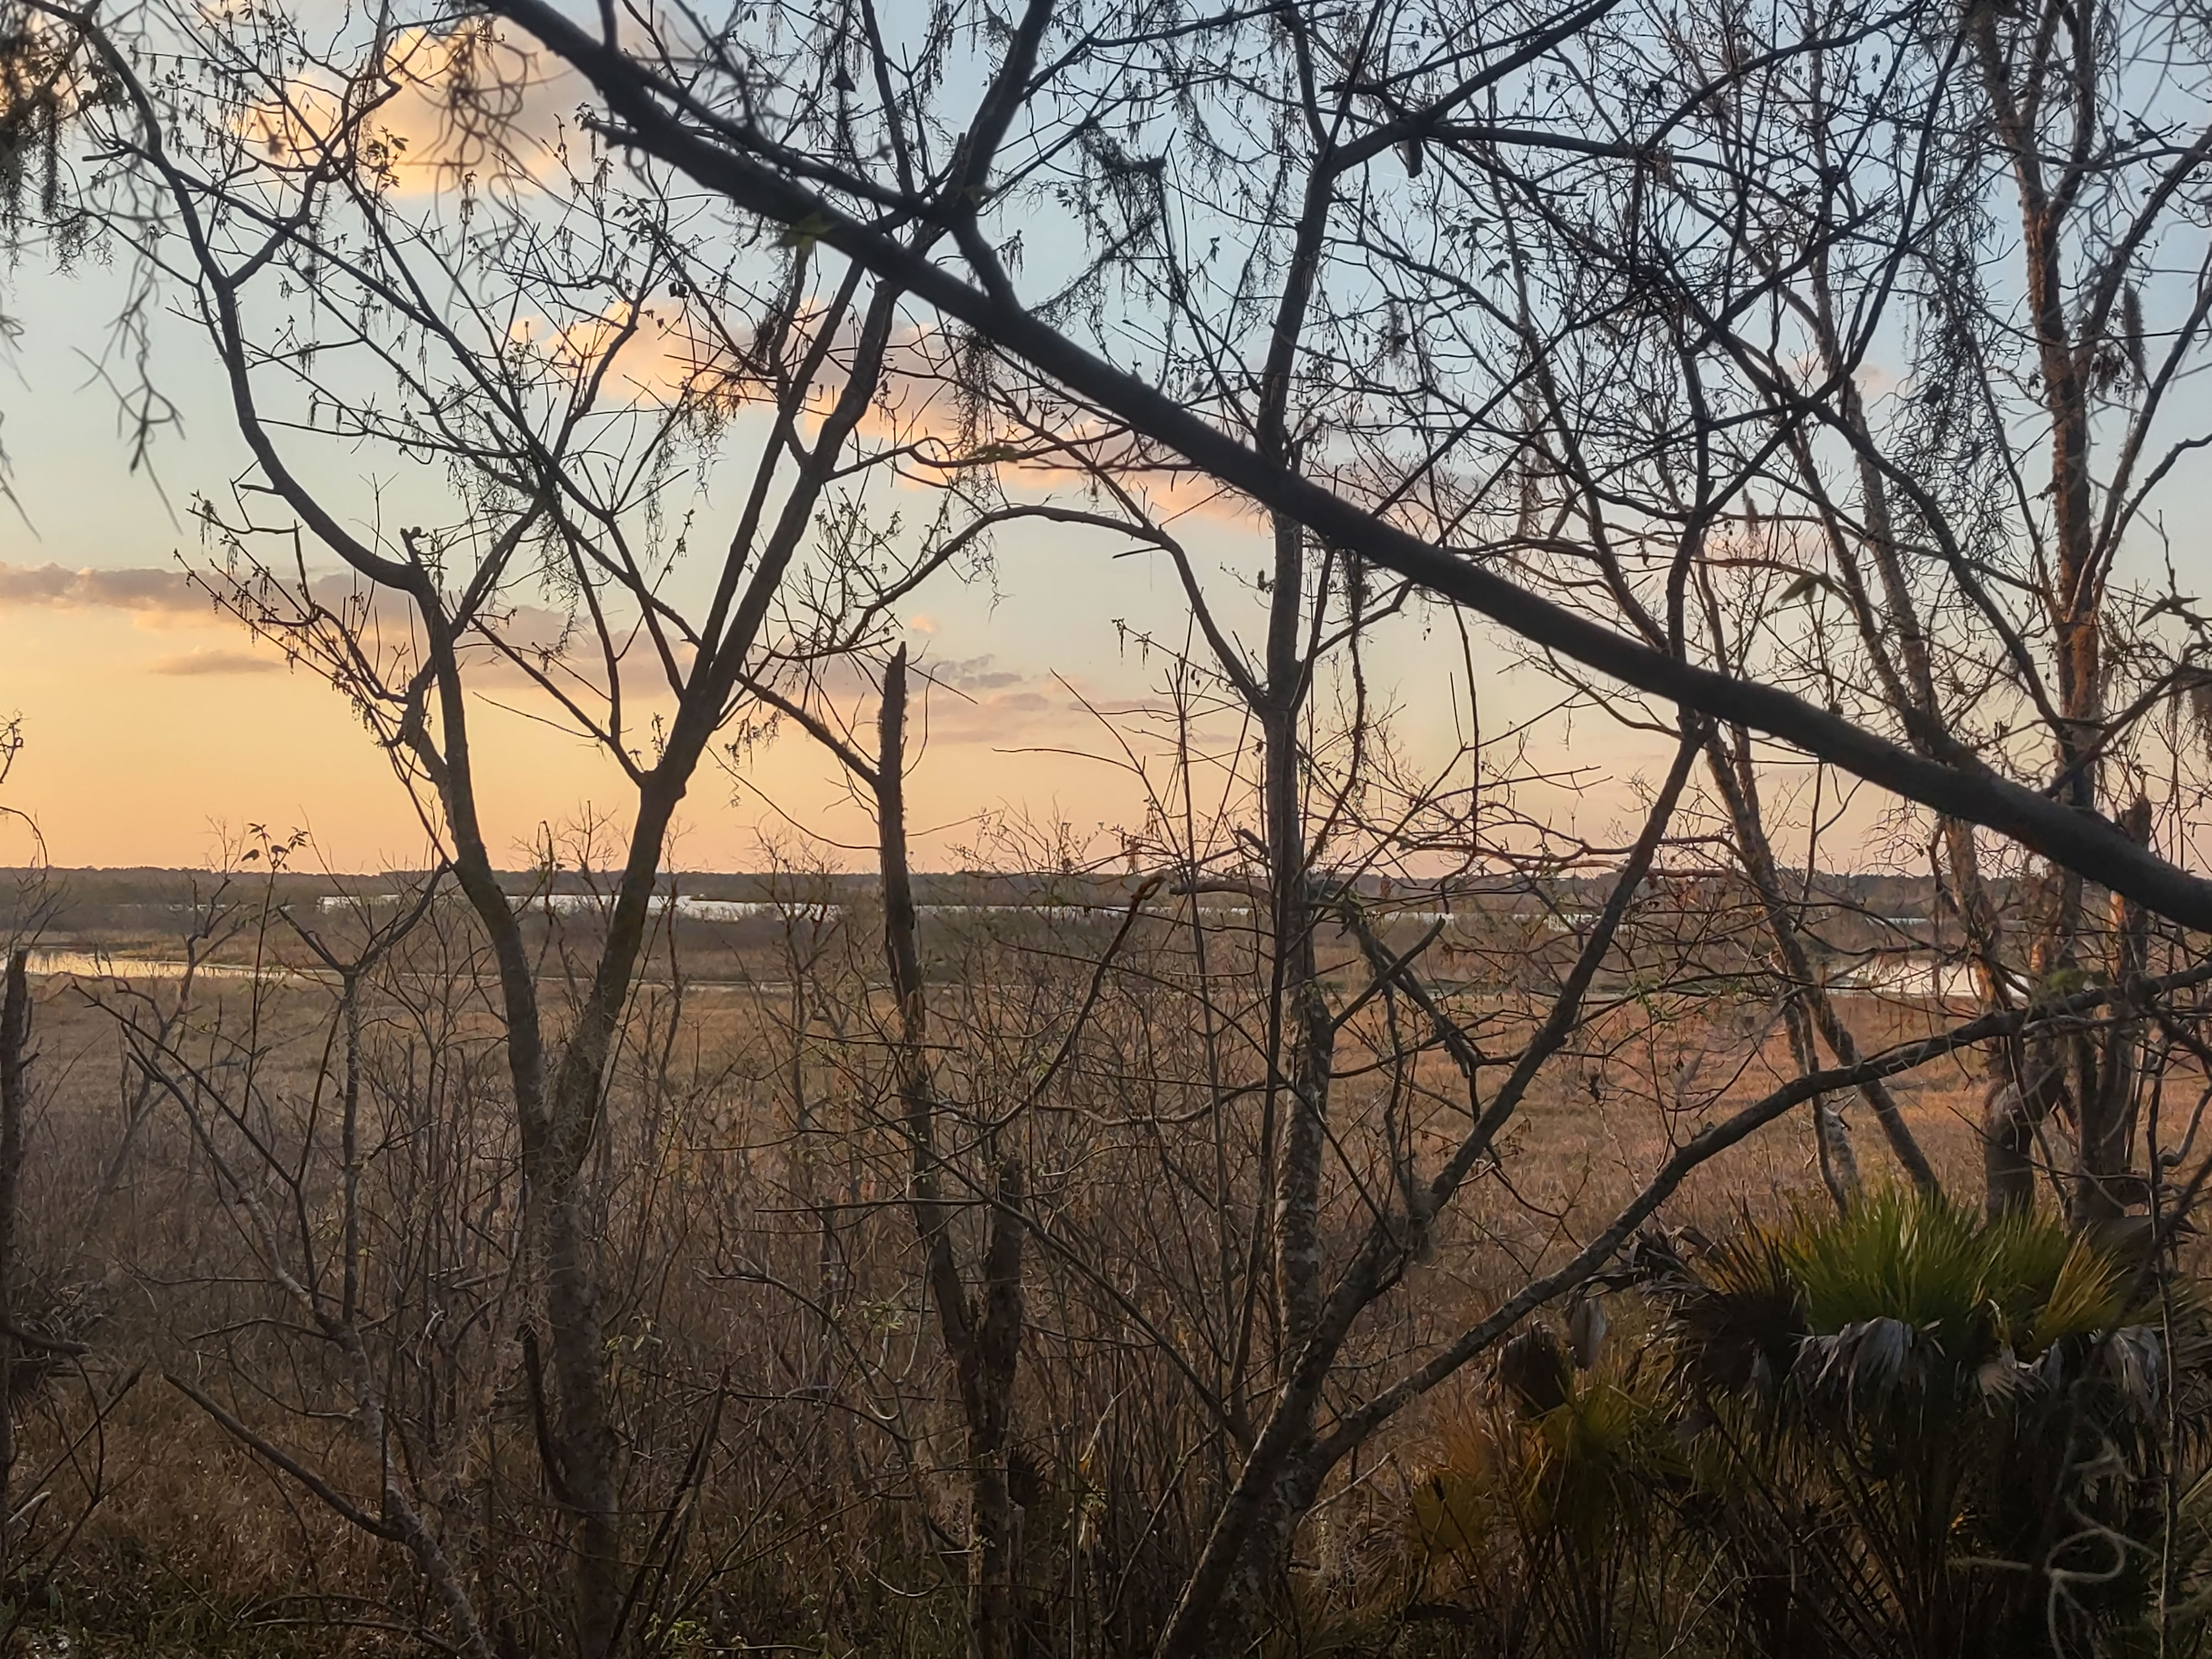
{"x":2064,"y":981}
{"x":1804,"y":585}
{"x":804,"y":233}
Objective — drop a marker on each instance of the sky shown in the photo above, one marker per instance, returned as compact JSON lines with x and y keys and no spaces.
{"x":155,"y":729}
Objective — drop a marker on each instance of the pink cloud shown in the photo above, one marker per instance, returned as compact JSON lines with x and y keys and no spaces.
{"x":205,"y":660}
{"x":146,"y":588}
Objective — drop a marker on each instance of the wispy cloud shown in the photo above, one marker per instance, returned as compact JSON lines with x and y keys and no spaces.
{"x":973,"y":675}
{"x":213,"y":661}
{"x":143,"y":587}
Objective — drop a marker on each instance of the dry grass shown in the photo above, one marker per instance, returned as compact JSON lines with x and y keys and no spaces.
{"x":790,"y":1437}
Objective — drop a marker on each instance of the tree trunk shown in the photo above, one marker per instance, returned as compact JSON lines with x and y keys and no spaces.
{"x":982,"y":1341}
{"x":2074,"y":598}
{"x":994,"y":1523}
{"x":2111,"y":1063}
{"x":15,"y":1057}
{"x":585,"y":1440}
{"x":1297,"y":1014}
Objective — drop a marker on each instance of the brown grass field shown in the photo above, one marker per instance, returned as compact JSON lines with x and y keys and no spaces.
{"x":765,"y":1272}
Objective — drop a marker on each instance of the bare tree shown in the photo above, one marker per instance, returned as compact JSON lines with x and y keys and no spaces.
{"x":1995,"y":585}
{"x":1554,"y":312}
{"x":210,"y":1099}
{"x":713,"y":132}
{"x":283,"y":182}
{"x":982,"y":1330}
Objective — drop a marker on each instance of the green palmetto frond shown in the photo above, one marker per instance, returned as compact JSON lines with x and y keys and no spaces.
{"x":1905,"y":1430}
{"x":1955,"y":1419}
{"x":1906,"y":1292}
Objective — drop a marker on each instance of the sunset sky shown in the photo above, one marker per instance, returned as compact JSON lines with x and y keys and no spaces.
{"x":153,"y":724}
{"x":153,"y":727}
